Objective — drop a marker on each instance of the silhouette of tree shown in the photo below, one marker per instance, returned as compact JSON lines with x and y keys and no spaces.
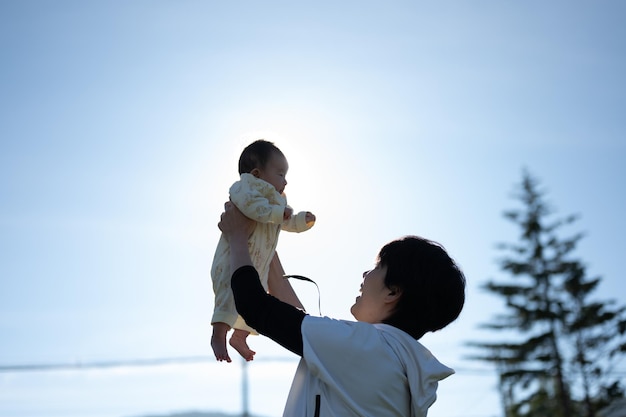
{"x":561,"y":344}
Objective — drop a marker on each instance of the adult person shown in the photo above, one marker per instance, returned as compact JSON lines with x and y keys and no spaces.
{"x":371,"y":367}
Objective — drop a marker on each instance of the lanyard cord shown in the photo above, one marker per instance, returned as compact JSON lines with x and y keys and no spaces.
{"x":302,"y":278}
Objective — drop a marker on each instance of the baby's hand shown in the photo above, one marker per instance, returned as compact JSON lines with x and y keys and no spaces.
{"x":288,"y":213}
{"x":309,"y":217}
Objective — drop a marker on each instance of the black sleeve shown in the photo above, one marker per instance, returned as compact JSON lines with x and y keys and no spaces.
{"x":268,"y":315}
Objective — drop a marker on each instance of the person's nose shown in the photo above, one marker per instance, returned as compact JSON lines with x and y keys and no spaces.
{"x":365,"y":273}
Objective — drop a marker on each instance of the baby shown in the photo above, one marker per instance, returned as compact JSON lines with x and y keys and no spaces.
{"x":259,"y":195}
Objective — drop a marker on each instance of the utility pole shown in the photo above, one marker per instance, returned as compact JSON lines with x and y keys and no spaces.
{"x":244,"y":388}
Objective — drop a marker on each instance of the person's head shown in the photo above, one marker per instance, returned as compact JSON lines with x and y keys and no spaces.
{"x":415,"y":287}
{"x":265,"y":161}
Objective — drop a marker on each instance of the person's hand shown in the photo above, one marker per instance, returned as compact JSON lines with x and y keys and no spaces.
{"x":234,"y":224}
{"x":309,"y":217}
{"x":288,"y":213}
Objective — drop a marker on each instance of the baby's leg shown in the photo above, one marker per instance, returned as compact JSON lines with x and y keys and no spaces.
{"x":218,"y":341}
{"x":238,"y":341}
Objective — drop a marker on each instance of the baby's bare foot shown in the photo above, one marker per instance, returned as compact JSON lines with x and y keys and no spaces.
{"x":238,"y":342}
{"x":219,"y":348}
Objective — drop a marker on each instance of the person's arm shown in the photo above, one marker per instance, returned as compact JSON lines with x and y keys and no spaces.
{"x":266,"y":314}
{"x":269,"y":316}
{"x":280,"y":287}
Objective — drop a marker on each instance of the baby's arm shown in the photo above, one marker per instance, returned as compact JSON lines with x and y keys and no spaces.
{"x":255,"y":205}
{"x":300,"y":222}
{"x":280,"y":287}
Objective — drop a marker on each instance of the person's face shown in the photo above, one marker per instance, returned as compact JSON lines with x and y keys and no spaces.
{"x":372,"y":306}
{"x":274,"y":172}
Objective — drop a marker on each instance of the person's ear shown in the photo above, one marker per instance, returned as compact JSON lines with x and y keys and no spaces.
{"x":256,"y":172}
{"x":393,"y":294}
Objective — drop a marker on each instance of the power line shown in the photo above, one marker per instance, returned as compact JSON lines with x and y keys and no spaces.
{"x":80,"y":365}
{"x":146,"y":362}
{"x":84,"y":365}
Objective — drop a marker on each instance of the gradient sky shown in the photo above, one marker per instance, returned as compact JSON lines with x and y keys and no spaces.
{"x":120,"y":127}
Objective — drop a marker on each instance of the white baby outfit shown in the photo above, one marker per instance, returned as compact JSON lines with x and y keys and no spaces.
{"x":260,"y":201}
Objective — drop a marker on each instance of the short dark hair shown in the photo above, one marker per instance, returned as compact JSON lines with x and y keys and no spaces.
{"x":256,"y":155}
{"x":432,"y":286}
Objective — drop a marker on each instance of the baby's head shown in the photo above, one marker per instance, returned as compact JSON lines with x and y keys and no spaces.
{"x":265,"y":161}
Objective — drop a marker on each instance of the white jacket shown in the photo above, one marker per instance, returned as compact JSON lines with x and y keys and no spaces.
{"x":359,"y":369}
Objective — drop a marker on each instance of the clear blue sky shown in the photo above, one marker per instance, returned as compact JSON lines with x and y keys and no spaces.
{"x":120,"y":127}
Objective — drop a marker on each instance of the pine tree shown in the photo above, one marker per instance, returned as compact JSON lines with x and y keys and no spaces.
{"x":593,"y":328}
{"x":556,"y":362}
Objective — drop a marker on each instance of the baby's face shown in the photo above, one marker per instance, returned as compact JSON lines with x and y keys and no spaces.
{"x":275,"y":172}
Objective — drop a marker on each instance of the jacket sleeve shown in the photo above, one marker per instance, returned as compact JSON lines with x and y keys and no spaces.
{"x":269,"y":316}
{"x":253,"y":202}
{"x":297,"y":223}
